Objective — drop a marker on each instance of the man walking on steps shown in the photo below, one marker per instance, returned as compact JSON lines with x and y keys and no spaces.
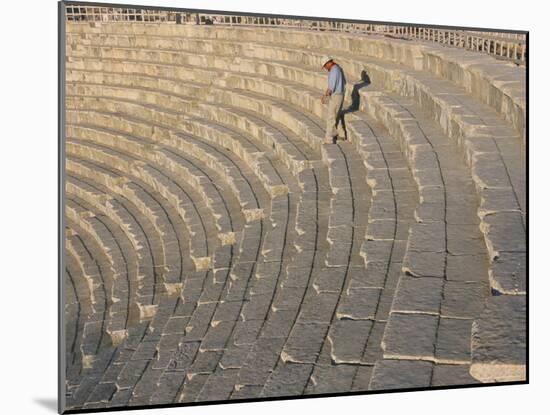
{"x":334,"y":95}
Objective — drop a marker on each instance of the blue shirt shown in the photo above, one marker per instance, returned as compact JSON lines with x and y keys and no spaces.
{"x":336,"y":80}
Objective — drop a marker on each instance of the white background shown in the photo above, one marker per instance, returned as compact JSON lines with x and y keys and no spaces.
{"x":28,"y":204}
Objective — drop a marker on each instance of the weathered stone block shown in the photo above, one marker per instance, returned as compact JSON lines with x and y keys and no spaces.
{"x":453,"y":341}
{"x":450,"y":375}
{"x":465,"y":240}
{"x":338,"y":255}
{"x":497,"y":200}
{"x":429,"y":212}
{"x":376,"y":250}
{"x":358,"y":304}
{"x":418,"y":294}
{"x":504,"y":232}
{"x":499,"y":340}
{"x":329,"y":279}
{"x":219,"y":385}
{"x":410,"y":336}
{"x":427,"y":237}
{"x":331,"y":379}
{"x":318,"y":307}
{"x":348,"y":339}
{"x":400,"y":374}
{"x":424,"y":264}
{"x":489,"y":171}
{"x":287,"y":379}
{"x":508,"y":273}
{"x":304,"y":343}
{"x":467,"y":268}
{"x":463,"y":299}
{"x":381,"y":229}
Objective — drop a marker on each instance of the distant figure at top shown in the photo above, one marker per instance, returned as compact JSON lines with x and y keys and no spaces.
{"x":334,"y":95}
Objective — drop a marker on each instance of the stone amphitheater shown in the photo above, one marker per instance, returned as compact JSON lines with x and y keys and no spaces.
{"x":218,"y":249}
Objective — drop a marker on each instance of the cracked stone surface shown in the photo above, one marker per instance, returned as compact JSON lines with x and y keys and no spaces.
{"x":218,"y":249}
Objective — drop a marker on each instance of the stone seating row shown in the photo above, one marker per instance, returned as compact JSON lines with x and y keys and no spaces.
{"x":494,"y":83}
{"x":480,"y":152}
{"x":476,"y":134}
{"x":304,"y":120}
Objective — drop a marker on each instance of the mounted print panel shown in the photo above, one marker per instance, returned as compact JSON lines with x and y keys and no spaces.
{"x":264,"y":206}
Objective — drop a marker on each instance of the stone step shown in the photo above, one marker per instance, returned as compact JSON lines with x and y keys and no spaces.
{"x":257,"y":161}
{"x":104,"y":203}
{"x":202,"y":355}
{"x":313,"y":140}
{"x":162,"y":237}
{"x":325,"y":256}
{"x":263,"y":299}
{"x":499,"y":209}
{"x":271,"y":137}
{"x":169,"y":263}
{"x":182,"y":199}
{"x":170,"y":333}
{"x":73,"y":319}
{"x":137,"y":86}
{"x":85,"y":221}
{"x":475,"y":72}
{"x":104,"y":319}
{"x":482,"y":126}
{"x":271,"y":59}
{"x":509,"y":102}
{"x":499,"y":340}
{"x":136,"y":359}
{"x":227,"y":343}
{"x":509,"y":265}
{"x":239,"y":183}
{"x":217,"y":134}
{"x":113,"y":252}
{"x":333,"y":304}
{"x":295,"y":302}
{"x":370,"y":285}
{"x":483,"y":169}
{"x":200,"y":235}
{"x":507,"y":141}
{"x":334,"y":176}
{"x":501,"y":191}
{"x":187,"y":138}
{"x":437,"y":311}
{"x":89,"y":270}
{"x":262,"y":292}
{"x":280,"y":139}
{"x":184,"y":168}
{"x":88,"y":311}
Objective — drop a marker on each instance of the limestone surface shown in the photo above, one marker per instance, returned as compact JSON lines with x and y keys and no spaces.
{"x":217,"y":248}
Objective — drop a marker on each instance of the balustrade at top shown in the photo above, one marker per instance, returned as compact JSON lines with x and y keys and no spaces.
{"x":503,"y":45}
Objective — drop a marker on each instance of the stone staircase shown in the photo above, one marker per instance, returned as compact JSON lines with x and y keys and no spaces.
{"x":218,"y":249}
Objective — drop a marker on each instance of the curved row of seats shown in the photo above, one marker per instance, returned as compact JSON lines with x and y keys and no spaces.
{"x":335,"y":252}
{"x":499,"y":85}
{"x":184,"y":288}
{"x":97,"y":152}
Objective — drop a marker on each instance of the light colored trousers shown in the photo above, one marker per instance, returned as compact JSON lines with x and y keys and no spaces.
{"x":335,"y":123}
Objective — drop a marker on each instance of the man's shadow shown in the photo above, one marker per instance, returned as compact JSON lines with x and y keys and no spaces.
{"x":355,"y":101}
{"x":355,"y":97}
